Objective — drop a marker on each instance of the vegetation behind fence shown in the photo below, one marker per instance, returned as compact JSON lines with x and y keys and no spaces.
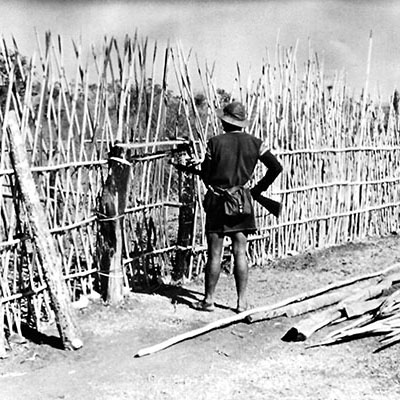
{"x":340,"y":152}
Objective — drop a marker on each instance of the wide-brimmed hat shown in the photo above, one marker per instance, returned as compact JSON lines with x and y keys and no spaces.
{"x":235,"y":114}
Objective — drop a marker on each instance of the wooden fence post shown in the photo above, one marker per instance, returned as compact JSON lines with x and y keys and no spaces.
{"x":3,"y":353}
{"x":47,"y":251}
{"x":186,"y":223}
{"x":111,"y":213}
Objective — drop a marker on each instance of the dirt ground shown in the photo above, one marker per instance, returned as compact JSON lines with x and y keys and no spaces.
{"x":241,"y":361}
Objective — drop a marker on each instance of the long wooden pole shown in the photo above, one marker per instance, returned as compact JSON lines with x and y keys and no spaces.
{"x":241,"y":316}
{"x":47,"y":251}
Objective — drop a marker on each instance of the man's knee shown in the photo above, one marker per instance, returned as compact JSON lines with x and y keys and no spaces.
{"x":239,"y":244}
{"x":215,"y":244}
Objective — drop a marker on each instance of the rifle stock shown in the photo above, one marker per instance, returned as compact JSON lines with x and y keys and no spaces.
{"x":274,"y":207}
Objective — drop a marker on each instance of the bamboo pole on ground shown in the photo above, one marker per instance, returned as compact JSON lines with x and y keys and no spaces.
{"x":350,"y":307}
{"x":305,"y":306}
{"x":262,"y":309}
{"x":50,"y":258}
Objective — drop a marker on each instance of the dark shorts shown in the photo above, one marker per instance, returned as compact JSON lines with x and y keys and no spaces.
{"x":218,"y":222}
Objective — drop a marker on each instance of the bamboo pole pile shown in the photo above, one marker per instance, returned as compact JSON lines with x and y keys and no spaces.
{"x":340,"y":153}
{"x":346,"y":293}
{"x":383,"y":319}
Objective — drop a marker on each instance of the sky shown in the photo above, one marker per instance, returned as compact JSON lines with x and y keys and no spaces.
{"x":227,"y":32}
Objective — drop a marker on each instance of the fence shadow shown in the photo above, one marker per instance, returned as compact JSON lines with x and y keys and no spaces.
{"x":181,"y":295}
{"x":37,"y":337}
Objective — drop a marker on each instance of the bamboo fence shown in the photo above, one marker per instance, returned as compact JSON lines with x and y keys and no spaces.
{"x":340,"y":153}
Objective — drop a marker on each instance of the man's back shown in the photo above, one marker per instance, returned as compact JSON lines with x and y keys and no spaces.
{"x":231,"y":159}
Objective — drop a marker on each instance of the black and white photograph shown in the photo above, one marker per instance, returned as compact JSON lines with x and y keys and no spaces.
{"x":199,"y":199}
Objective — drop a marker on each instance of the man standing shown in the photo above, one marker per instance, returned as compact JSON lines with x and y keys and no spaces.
{"x":229,"y":163}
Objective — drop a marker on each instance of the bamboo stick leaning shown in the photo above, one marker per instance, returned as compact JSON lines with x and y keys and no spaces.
{"x":66,"y":323}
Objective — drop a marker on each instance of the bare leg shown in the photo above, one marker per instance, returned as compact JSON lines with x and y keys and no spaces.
{"x":241,"y":269}
{"x":213,"y":268}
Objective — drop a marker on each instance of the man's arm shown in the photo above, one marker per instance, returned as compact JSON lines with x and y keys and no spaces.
{"x":274,"y":169}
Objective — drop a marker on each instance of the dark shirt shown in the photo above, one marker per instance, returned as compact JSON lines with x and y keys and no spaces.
{"x":230,"y":159}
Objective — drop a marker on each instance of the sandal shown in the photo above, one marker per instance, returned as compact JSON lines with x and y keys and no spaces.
{"x":203,"y":306}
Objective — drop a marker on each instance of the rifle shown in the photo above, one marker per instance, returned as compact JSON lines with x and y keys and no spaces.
{"x":272,"y":206}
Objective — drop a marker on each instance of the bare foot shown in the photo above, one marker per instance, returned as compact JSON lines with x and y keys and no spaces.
{"x":203,"y":306}
{"x":241,"y":307}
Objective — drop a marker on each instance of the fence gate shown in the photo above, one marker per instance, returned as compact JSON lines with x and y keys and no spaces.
{"x":147,"y":217}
